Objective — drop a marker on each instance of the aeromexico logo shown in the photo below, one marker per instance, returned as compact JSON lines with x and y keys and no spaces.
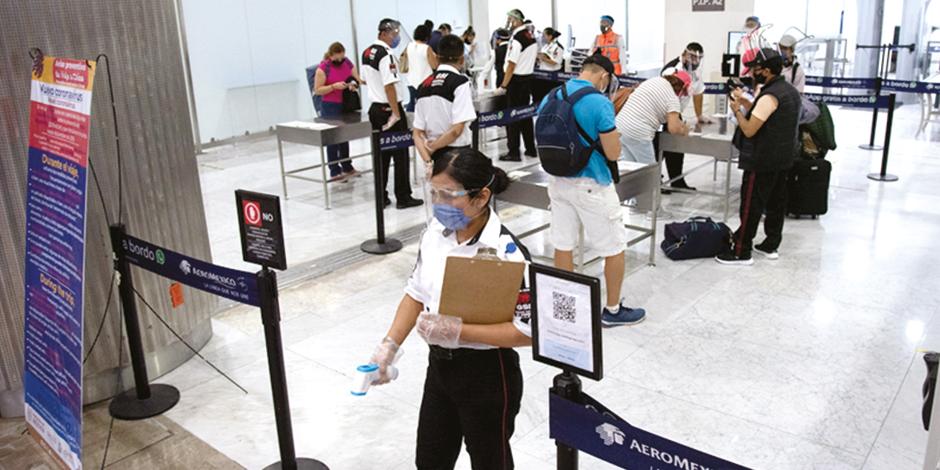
{"x":612,"y":435}
{"x":523,"y":112}
{"x":188,"y":269}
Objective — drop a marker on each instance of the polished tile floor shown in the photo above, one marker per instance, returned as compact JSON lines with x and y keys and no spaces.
{"x":809,"y":362}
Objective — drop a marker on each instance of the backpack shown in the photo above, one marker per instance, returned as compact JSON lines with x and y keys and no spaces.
{"x":697,"y":237}
{"x":311,"y":80}
{"x":560,"y":150}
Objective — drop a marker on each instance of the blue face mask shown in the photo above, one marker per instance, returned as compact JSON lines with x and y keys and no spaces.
{"x":451,"y":217}
{"x":396,"y":42}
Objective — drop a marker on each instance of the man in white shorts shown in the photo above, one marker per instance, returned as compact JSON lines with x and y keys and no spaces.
{"x":588,"y":199}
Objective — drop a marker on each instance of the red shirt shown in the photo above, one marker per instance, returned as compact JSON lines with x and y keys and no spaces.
{"x":335,"y":74}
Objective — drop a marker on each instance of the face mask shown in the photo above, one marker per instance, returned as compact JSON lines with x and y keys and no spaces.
{"x":760,"y":78}
{"x":468,"y":41}
{"x":338,"y":62}
{"x":451,"y":217}
{"x":605,"y":28}
{"x":689,"y":65}
{"x":509,"y":25}
{"x":396,"y":41}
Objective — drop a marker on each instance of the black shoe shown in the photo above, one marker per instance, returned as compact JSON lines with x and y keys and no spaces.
{"x":408,"y":203}
{"x":682,"y":185}
{"x":388,"y":202}
{"x":531,"y":153}
{"x":732,"y":259}
{"x":665,"y":191}
{"x":509,"y":157}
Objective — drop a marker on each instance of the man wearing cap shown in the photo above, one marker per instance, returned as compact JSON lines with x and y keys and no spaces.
{"x":654,"y":102}
{"x":517,"y":83}
{"x":387,"y":90}
{"x":792,"y":72}
{"x":611,"y":45}
{"x":500,"y":46}
{"x":767,"y":140}
{"x":589,"y":199}
{"x":690,"y":62}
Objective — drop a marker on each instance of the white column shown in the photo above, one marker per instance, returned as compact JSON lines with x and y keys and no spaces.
{"x":870,"y":19}
{"x":912,"y":32}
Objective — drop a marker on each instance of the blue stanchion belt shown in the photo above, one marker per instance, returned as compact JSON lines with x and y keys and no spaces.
{"x":910,"y":87}
{"x":506,"y":116}
{"x":240,"y":286}
{"x":395,"y":140}
{"x":592,"y":428}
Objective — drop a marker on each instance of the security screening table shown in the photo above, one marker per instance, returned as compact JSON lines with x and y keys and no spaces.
{"x":711,"y":140}
{"x":322,"y":132}
{"x":638,"y":188}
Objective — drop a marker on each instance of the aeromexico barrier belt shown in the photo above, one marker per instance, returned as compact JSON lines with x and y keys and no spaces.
{"x":505,"y":116}
{"x":240,"y":286}
{"x":395,"y":140}
{"x":592,"y":428}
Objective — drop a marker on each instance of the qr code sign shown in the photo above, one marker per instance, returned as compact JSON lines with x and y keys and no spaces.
{"x":563,"y":307}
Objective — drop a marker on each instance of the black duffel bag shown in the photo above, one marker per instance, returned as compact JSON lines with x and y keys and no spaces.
{"x":697,"y":237}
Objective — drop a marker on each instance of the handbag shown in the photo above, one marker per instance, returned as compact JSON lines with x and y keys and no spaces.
{"x":352,"y":102}
{"x":697,"y":237}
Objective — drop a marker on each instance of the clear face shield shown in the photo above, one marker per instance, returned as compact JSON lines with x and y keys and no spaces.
{"x":691,"y":60}
{"x":452,"y":205}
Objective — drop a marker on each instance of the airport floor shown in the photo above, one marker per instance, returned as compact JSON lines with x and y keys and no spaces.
{"x":813,"y":361}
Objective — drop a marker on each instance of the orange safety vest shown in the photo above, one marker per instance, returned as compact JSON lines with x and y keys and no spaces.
{"x":608,"y":45}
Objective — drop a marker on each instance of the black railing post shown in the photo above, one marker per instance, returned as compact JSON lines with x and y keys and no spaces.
{"x":145,"y":400}
{"x":883,"y":174}
{"x":874,"y":118}
{"x":380,"y":245}
{"x":271,"y":319}
{"x":568,"y":386}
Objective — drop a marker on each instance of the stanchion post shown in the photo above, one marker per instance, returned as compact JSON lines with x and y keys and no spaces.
{"x":380,"y":245}
{"x":568,"y":386}
{"x":145,"y":400}
{"x":874,"y":119}
{"x":475,"y":132}
{"x":883,"y":174}
{"x":271,"y":319}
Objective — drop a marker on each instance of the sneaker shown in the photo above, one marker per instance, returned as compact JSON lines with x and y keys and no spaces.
{"x":769,"y":254}
{"x":408,"y":203}
{"x":730,"y":258}
{"x":531,"y":153}
{"x":352,"y":174}
{"x":509,"y":157}
{"x":335,"y":178}
{"x":388,"y":202}
{"x":626,"y":316}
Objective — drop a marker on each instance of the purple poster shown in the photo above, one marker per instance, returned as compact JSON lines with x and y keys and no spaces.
{"x":60,"y":110}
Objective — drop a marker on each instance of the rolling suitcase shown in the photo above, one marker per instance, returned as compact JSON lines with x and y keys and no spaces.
{"x":808,"y":188}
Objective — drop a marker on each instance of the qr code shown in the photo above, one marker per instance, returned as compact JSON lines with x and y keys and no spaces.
{"x":563,"y":307}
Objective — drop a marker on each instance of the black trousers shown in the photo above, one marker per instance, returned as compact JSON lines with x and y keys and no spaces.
{"x":378,"y":116}
{"x":470,"y":396}
{"x":540,"y":88}
{"x":674,"y":163}
{"x":762,"y":193}
{"x":519,"y":93}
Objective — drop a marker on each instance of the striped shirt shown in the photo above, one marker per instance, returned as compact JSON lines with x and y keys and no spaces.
{"x":647,"y":108}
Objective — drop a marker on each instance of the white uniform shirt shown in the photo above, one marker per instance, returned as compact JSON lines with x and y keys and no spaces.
{"x":556,"y":53}
{"x":523,"y":51}
{"x":444,"y":100}
{"x":437,"y":243}
{"x":380,"y":68}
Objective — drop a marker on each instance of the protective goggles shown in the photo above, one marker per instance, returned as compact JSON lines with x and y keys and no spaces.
{"x":448,"y":195}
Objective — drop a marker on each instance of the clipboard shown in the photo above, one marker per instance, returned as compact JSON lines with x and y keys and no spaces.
{"x":483,"y":290}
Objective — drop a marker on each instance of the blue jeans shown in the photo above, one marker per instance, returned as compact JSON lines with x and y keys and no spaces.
{"x":412,"y":99}
{"x":336,"y":152}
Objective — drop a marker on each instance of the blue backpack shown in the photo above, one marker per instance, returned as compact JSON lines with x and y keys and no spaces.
{"x":561,"y":152}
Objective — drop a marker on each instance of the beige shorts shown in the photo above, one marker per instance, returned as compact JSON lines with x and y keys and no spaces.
{"x":582,"y":202}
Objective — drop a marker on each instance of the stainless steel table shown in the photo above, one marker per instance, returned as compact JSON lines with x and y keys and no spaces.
{"x":712,"y":140}
{"x":638,"y":188}
{"x":322,"y":132}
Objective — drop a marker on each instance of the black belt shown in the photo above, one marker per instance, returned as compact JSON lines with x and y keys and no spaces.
{"x":446,"y":354}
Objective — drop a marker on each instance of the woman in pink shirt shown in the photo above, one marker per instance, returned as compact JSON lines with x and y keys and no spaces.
{"x":332,"y":77}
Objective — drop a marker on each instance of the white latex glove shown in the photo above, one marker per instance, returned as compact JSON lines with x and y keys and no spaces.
{"x":391,"y":122}
{"x":384,"y":356}
{"x":499,"y":91}
{"x":440,"y":330}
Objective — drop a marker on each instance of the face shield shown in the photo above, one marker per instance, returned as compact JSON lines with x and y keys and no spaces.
{"x":691,"y":60}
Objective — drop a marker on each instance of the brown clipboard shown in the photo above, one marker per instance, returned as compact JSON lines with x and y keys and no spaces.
{"x":482,"y":290}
